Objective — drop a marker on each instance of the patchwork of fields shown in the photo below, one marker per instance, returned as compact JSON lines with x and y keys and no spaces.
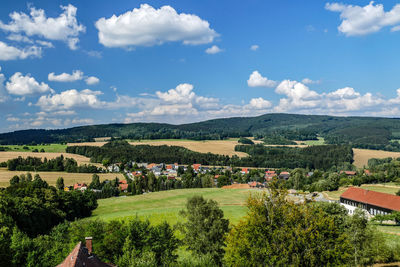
{"x":51,"y":177}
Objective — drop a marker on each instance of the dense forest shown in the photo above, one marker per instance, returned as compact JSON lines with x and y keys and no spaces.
{"x":315,"y":157}
{"x":362,"y":132}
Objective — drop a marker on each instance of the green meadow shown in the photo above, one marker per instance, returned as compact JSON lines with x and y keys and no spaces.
{"x":165,"y":205}
{"x":52,"y":148}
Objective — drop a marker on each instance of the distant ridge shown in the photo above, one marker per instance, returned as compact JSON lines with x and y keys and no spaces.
{"x":362,"y":132}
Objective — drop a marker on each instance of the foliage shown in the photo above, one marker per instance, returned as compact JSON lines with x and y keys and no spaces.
{"x":205,"y":228}
{"x":277,"y":140}
{"x":245,"y":141}
{"x":57,"y":164}
{"x":35,"y":207}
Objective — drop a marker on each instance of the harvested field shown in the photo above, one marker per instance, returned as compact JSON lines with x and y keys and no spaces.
{"x":361,"y":156}
{"x":236,"y":186}
{"x":222,"y":147}
{"x":4,"y":156}
{"x":51,"y":177}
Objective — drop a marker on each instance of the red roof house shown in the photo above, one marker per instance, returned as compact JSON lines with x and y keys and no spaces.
{"x":196,"y":166}
{"x":371,"y":199}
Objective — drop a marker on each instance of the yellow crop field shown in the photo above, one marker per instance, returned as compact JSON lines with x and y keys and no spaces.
{"x":4,"y":156}
{"x":222,"y":147}
{"x":361,"y":156}
{"x":51,"y":177}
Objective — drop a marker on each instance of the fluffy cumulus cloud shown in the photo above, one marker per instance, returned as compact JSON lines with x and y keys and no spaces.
{"x":76,"y":75}
{"x":26,"y":85}
{"x":147,"y":26}
{"x":92,"y":80}
{"x":362,"y":20}
{"x":70,"y":99}
{"x":65,"y":27}
{"x":8,"y":52}
{"x":66,"y":77}
{"x":3,"y":95}
{"x":309,"y":81}
{"x":213,"y":50}
{"x":257,"y":80}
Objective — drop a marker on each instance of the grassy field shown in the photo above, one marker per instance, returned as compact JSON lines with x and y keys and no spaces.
{"x":4,"y":156}
{"x":51,"y":177}
{"x":47,"y":148}
{"x":361,"y":156}
{"x":223,"y":147}
{"x":389,"y":188}
{"x":165,"y":205}
{"x":318,"y":142}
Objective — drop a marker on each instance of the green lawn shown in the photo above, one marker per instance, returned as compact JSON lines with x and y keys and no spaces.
{"x":318,"y":142}
{"x":47,"y":148}
{"x":165,"y":205}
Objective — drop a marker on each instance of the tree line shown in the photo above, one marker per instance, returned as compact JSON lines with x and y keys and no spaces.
{"x":58,"y":164}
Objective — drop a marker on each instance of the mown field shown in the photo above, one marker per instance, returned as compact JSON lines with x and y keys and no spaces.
{"x":361,"y":156}
{"x":53,"y":148}
{"x":51,"y":177}
{"x":6,"y":155}
{"x":165,"y":205}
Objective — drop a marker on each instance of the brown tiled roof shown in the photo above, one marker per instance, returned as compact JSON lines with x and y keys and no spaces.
{"x":81,"y":257}
{"x":378,"y":199}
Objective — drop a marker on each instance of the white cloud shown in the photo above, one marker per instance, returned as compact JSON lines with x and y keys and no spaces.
{"x":65,"y":27}
{"x":257,"y":80}
{"x":92,"y":80}
{"x":362,"y":20}
{"x":19,"y":38}
{"x":147,"y":26}
{"x":254,"y":47}
{"x":26,"y":85}
{"x":213,"y":50}
{"x":71,"y":99}
{"x":45,"y":44}
{"x":66,"y":77}
{"x":3,"y":96}
{"x":309,"y":81}
{"x":260,"y":103}
{"x":11,"y":53}
{"x":298,"y":96}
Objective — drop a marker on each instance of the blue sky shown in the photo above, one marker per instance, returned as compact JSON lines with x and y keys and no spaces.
{"x":69,"y":63}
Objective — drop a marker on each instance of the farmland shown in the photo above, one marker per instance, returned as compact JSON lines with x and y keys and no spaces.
{"x":52,"y":148}
{"x":4,"y":156}
{"x":165,"y":205}
{"x":51,"y":177}
{"x":361,"y":156}
{"x":222,"y":147}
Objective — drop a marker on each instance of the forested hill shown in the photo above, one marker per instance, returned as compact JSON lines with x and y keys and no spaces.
{"x":363,"y":132}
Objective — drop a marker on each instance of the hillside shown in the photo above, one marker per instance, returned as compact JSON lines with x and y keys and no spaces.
{"x":360,"y":132}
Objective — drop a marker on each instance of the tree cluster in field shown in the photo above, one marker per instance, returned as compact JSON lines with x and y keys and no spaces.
{"x":34,"y":207}
{"x":277,"y":140}
{"x":314,"y":157}
{"x":58,"y":164}
{"x":275,"y":232}
{"x":245,"y":141}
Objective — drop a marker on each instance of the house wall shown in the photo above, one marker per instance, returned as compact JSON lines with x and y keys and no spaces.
{"x":371,"y":209}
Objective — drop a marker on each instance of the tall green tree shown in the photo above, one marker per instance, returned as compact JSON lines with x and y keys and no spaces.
{"x":60,"y":183}
{"x":205,"y":228}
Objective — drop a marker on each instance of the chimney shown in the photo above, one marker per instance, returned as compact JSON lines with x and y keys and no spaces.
{"x":89,"y":244}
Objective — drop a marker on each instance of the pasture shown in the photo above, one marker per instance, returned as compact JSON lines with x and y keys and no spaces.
{"x":165,"y":205}
{"x":52,"y":148}
{"x":51,"y":177}
{"x":222,"y":147}
{"x":361,"y":156}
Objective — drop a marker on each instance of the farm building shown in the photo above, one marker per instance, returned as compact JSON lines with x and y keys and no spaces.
{"x":373,"y":202}
{"x":82,"y":255}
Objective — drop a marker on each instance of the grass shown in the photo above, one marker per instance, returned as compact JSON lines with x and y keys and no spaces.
{"x":53,"y":148}
{"x":165,"y":205}
{"x":51,"y":177}
{"x":320,"y":141}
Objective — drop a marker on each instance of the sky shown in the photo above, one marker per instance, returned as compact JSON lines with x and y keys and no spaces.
{"x":72,"y":63}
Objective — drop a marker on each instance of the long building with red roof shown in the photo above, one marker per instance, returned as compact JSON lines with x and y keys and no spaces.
{"x":371,"y":201}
